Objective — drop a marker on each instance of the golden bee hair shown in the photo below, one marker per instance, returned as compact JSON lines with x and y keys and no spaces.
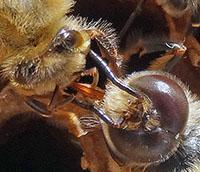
{"x":27,"y":31}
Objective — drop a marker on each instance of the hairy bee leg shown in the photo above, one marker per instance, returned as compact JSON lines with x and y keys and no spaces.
{"x":55,"y":92}
{"x":114,"y":62}
{"x":94,"y":73}
{"x":170,"y":59}
{"x":131,"y":19}
{"x":101,"y":38}
{"x":108,"y":50}
{"x":103,"y":66}
{"x":99,"y":113}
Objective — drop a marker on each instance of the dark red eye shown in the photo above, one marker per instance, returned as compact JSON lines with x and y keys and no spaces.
{"x":159,"y":132}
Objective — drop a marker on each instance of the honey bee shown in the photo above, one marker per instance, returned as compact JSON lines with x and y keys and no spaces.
{"x":43,"y":50}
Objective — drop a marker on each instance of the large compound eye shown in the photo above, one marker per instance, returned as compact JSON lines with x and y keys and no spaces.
{"x":66,"y":40}
{"x":159,"y":132}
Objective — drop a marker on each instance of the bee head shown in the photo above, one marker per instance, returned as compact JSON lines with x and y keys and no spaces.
{"x":154,"y":127}
{"x":50,"y":63}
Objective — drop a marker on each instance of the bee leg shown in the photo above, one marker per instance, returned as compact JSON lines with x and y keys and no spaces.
{"x":59,"y":98}
{"x":38,"y":106}
{"x":170,"y":59}
{"x":131,"y":18}
{"x":104,"y":68}
{"x":89,"y":91}
{"x":94,"y":73}
{"x":100,"y":114}
{"x":108,"y":49}
{"x":103,"y":41}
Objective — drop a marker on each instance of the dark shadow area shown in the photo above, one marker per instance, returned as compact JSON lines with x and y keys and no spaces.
{"x":29,"y":143}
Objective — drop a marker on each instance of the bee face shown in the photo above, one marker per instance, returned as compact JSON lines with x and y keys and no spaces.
{"x":161,"y":130}
{"x":58,"y":64}
{"x":50,"y":49}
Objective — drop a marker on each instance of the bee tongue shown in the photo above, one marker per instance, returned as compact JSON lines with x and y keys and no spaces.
{"x":106,"y":70}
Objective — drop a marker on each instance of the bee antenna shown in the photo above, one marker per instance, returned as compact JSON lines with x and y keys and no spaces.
{"x":104,"y":67}
{"x":131,"y":19}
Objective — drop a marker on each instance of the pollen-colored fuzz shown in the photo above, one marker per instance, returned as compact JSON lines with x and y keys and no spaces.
{"x":25,"y":22}
{"x":30,"y":16}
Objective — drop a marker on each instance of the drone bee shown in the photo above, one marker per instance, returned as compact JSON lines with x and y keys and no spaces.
{"x":159,"y":134}
{"x":43,"y":50}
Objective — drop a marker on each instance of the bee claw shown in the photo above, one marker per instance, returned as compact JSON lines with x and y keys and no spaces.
{"x":94,"y":73}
